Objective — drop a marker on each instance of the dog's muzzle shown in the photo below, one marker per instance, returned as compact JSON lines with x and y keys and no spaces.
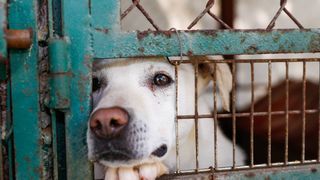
{"x":117,"y":138}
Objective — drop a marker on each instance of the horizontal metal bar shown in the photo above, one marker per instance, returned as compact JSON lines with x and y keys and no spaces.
{"x":247,"y":114}
{"x":308,"y":170}
{"x":111,"y":44}
{"x":293,"y":60}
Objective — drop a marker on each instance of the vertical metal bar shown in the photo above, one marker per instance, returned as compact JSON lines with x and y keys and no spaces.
{"x":77,"y":27}
{"x":9,"y":126}
{"x":196,"y":115}
{"x":215,"y":116}
{"x":287,"y":116}
{"x":234,"y":114}
{"x":176,"y":119}
{"x":303,"y":112}
{"x":319,"y":115}
{"x":54,"y":146}
{"x":1,"y":154}
{"x":252,"y":117}
{"x":3,"y":44}
{"x":227,"y":12}
{"x":25,"y":97}
{"x":269,"y":110}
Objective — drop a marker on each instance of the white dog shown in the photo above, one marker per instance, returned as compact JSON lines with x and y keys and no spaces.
{"x":132,"y":125}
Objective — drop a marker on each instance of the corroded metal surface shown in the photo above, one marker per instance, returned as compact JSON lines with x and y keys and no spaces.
{"x":18,"y":39}
{"x":204,"y":42}
{"x":25,"y":95}
{"x":309,"y":171}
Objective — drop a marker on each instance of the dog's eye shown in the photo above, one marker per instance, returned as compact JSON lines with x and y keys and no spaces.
{"x":96,"y":84}
{"x":161,"y":80}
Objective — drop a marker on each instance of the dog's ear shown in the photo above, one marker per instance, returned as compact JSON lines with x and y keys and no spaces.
{"x":223,"y":77}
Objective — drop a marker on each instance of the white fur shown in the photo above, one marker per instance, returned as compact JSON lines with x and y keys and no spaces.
{"x":127,"y":88}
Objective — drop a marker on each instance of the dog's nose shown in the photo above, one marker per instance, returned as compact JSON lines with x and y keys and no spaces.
{"x":109,"y":122}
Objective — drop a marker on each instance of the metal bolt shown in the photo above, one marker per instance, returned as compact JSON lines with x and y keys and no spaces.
{"x":18,"y":39}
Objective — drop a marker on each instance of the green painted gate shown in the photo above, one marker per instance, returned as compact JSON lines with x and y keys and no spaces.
{"x":45,"y":137}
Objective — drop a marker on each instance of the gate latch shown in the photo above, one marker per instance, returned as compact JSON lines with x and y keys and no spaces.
{"x":60,"y":74}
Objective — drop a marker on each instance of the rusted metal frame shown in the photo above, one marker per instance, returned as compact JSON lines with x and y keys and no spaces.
{"x":304,"y":81}
{"x":196,"y":114}
{"x":77,"y":29}
{"x":269,"y":111}
{"x":24,"y":93}
{"x":286,"y":152}
{"x":251,"y":116}
{"x":233,"y":111}
{"x":215,"y":116}
{"x":307,"y":171}
{"x":176,"y":118}
{"x":108,"y":42}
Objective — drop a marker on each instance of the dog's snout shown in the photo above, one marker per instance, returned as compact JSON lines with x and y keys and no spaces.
{"x":109,"y":122}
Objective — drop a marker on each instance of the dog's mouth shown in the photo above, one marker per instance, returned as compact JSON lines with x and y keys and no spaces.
{"x":119,"y":156}
{"x":114,"y":156}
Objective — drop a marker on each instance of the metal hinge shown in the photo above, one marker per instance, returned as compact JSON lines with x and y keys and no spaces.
{"x":60,"y":74}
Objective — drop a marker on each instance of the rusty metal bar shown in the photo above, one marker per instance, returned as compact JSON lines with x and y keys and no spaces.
{"x":234,"y":81}
{"x":247,"y":114}
{"x":196,"y":20}
{"x":293,"y":18}
{"x":129,"y":9}
{"x":269,"y":110}
{"x":196,"y":119}
{"x":274,"y":19}
{"x":144,"y":12}
{"x":252,"y":60}
{"x":287,"y":116}
{"x":227,"y":13}
{"x":252,"y":117}
{"x":278,"y":171}
{"x":215,"y":115}
{"x":176,"y":119}
{"x":303,"y":113}
{"x":18,"y":39}
{"x":319,"y":117}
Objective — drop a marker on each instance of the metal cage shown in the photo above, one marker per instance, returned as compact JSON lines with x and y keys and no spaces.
{"x":46,"y":85}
